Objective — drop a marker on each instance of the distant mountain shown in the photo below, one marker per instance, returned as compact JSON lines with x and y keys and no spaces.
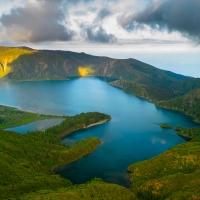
{"x":133,"y":76}
{"x":22,"y":63}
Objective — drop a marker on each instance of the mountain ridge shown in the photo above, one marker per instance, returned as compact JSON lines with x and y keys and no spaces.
{"x":133,"y":76}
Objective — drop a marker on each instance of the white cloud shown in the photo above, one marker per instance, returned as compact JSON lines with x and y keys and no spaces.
{"x":104,"y":15}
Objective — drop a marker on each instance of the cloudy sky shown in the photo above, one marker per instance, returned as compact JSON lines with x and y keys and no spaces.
{"x":164,"y":33}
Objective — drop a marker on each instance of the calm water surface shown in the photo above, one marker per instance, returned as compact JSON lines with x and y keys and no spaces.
{"x":132,"y":135}
{"x":37,"y":125}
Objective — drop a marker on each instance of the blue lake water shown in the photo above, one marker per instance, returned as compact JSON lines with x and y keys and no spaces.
{"x":132,"y":135}
{"x":37,"y":125}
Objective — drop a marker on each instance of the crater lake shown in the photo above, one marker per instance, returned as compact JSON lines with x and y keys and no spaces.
{"x":132,"y":135}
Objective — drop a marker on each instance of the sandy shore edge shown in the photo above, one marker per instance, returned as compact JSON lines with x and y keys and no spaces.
{"x":102,"y":122}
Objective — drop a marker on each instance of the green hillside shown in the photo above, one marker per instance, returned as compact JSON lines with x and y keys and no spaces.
{"x":184,"y":86}
{"x":189,"y":133}
{"x":132,"y":75}
{"x":174,"y":174}
{"x":95,"y":189}
{"x":27,"y":161}
{"x":188,"y":103}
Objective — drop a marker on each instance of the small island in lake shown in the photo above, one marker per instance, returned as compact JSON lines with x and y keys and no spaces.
{"x":164,"y":125}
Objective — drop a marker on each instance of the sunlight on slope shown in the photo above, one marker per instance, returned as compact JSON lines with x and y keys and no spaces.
{"x":85,"y":71}
{"x":8,"y":55}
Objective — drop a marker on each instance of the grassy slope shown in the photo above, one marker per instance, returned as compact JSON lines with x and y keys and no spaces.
{"x":27,"y":161}
{"x":189,"y":133}
{"x":11,"y":117}
{"x":184,"y":86}
{"x":188,"y":103}
{"x":95,"y":189}
{"x":173,"y":174}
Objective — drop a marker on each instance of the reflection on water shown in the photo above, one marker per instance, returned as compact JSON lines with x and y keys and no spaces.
{"x":37,"y":125}
{"x":132,"y":135}
{"x":156,"y":139}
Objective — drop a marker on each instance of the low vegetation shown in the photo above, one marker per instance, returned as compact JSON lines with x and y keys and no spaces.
{"x":174,"y":174}
{"x":11,"y":117}
{"x":164,"y":125}
{"x":95,"y":189}
{"x":188,"y":103}
{"x":189,"y":133}
{"x":27,"y":161}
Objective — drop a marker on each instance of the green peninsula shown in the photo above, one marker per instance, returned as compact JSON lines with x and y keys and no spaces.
{"x":164,"y":125}
{"x":27,"y":161}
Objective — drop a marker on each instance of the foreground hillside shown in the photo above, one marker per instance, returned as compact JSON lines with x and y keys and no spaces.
{"x":95,"y":189}
{"x":26,"y":166}
{"x":174,"y":174}
{"x":27,"y":162}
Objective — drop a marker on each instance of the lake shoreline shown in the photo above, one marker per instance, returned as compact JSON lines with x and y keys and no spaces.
{"x":98,"y":123}
{"x":18,"y":117}
{"x":130,"y":127}
{"x":90,"y":125}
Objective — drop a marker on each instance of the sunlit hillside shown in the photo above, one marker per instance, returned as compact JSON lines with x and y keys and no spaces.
{"x":133,"y":76}
{"x":8,"y":55}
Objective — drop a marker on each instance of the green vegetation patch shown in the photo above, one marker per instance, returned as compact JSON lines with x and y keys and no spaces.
{"x":189,"y":133}
{"x":164,"y":125}
{"x":170,"y":173}
{"x":27,"y":161}
{"x":11,"y":117}
{"x":178,"y":128}
{"x":177,"y":186}
{"x":188,"y":103}
{"x":95,"y":189}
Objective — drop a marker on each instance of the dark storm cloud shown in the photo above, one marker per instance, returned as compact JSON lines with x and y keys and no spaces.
{"x":37,"y":22}
{"x":99,"y":35}
{"x":173,"y":15}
